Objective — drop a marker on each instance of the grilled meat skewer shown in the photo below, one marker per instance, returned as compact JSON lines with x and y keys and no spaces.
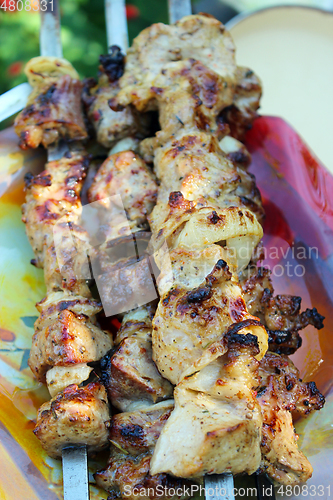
{"x":190,"y":99}
{"x":208,"y":109}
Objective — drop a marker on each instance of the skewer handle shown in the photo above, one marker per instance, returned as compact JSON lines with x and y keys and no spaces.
{"x":179,"y":9}
{"x":116,"y":24}
{"x":49,"y":37}
{"x":218,"y":486}
{"x":14,"y":100}
{"x":75,"y":473}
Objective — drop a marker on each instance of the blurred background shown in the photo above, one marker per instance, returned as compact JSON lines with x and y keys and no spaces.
{"x":83,"y":29}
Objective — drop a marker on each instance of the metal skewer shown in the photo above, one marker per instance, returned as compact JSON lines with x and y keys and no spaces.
{"x":74,"y":459}
{"x":14,"y":100}
{"x":116,"y":24}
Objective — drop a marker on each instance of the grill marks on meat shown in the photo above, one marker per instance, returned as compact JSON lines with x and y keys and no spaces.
{"x":66,"y":338}
{"x":51,"y":195}
{"x":129,"y":373}
{"x":190,"y":324}
{"x":160,"y":47}
{"x":195,"y":165}
{"x":133,"y":436}
{"x":281,"y":394}
{"x":56,"y":113}
{"x":111,"y":124}
{"x":216,"y":424}
{"x":281,"y":313}
{"x":206,"y":201}
{"x":126,"y":174}
{"x":240,"y":114}
{"x":76,"y":416}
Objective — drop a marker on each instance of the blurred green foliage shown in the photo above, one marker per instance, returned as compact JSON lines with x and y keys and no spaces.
{"x":83,"y":35}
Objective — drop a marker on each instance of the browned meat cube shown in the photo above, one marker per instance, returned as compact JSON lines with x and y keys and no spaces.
{"x":76,"y":416}
{"x":56,"y":113}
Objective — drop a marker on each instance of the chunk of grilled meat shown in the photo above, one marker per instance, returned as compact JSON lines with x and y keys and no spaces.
{"x":189,"y":320}
{"x":76,"y":416}
{"x":50,"y":196}
{"x":240,"y":115}
{"x":126,"y":277}
{"x":160,"y":47}
{"x":281,"y":313}
{"x":195,"y":225}
{"x":65,"y":336}
{"x":190,"y":86}
{"x":136,"y":432}
{"x":52,"y":213}
{"x":54,"y":110}
{"x":216,"y":425}
{"x":133,"y":437}
{"x":111,"y":125}
{"x":126,"y":174}
{"x":130,"y":374}
{"x":281,"y":394}
{"x":211,"y":174}
{"x":127,"y":477}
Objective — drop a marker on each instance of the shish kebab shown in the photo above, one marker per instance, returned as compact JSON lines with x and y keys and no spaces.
{"x":283,"y":324}
{"x":68,"y":308}
{"x":165,"y":70}
{"x":51,"y":345}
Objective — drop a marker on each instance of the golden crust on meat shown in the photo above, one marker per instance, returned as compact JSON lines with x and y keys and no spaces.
{"x":64,"y":339}
{"x":76,"y":416}
{"x":54,"y":114}
{"x":160,"y":46}
{"x":51,"y":195}
{"x":191,"y":324}
{"x":216,"y":424}
{"x":127,"y":175}
{"x":282,"y":393}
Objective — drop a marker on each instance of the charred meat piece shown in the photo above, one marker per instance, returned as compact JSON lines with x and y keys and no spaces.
{"x":50,"y":196}
{"x":111,"y":125}
{"x":281,"y":394}
{"x":76,"y":416}
{"x":126,"y":174}
{"x":240,"y":115}
{"x":189,"y":321}
{"x":56,"y":113}
{"x":133,"y":436}
{"x":160,"y":47}
{"x":130,"y":374}
{"x":128,"y":476}
{"x":64,"y":339}
{"x":301,"y":398}
{"x":281,"y":314}
{"x":52,"y":213}
{"x":216,"y":424}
